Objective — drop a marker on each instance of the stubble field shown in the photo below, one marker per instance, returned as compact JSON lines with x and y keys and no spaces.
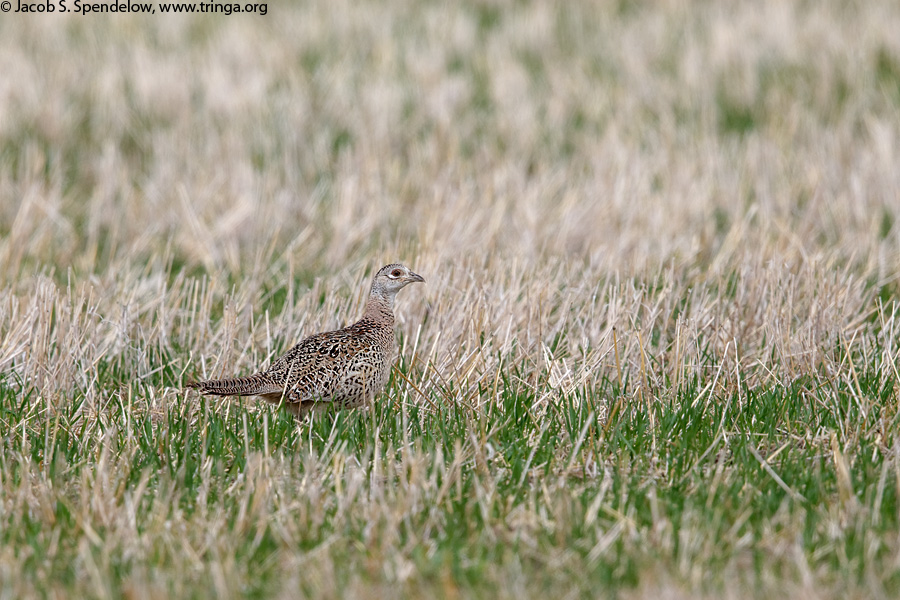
{"x":656,"y":354}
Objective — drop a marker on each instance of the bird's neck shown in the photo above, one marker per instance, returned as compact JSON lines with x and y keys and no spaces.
{"x":380,"y":307}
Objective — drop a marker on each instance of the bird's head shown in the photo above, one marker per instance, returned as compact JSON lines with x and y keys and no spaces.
{"x":392,"y":278}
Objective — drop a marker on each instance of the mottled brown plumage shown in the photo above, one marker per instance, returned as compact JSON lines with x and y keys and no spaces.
{"x":346,"y":368}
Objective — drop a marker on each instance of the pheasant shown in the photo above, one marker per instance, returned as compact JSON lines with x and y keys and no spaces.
{"x":343,"y":368}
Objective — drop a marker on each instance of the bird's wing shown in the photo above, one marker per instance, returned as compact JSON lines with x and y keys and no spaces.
{"x":312,"y":370}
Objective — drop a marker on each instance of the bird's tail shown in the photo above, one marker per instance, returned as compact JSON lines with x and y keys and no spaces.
{"x":254,"y":385}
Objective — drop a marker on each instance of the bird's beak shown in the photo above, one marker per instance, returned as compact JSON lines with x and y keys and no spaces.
{"x":416,"y":277}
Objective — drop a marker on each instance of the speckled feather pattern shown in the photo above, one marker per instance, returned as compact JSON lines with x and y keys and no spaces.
{"x":347,"y":367}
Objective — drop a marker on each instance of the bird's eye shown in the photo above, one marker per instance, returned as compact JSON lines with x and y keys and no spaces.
{"x":396,"y":273}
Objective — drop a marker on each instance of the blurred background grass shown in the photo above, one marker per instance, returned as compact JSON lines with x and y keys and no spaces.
{"x":620,"y":134}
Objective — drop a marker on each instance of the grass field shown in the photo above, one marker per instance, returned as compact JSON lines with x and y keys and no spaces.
{"x":656,"y":355}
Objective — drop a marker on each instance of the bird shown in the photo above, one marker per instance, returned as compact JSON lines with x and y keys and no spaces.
{"x":345,"y":368}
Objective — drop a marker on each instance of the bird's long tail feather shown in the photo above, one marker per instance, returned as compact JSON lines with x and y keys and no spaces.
{"x":254,"y":385}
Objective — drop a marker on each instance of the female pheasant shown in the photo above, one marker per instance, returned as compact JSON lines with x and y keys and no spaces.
{"x":345,"y":368}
